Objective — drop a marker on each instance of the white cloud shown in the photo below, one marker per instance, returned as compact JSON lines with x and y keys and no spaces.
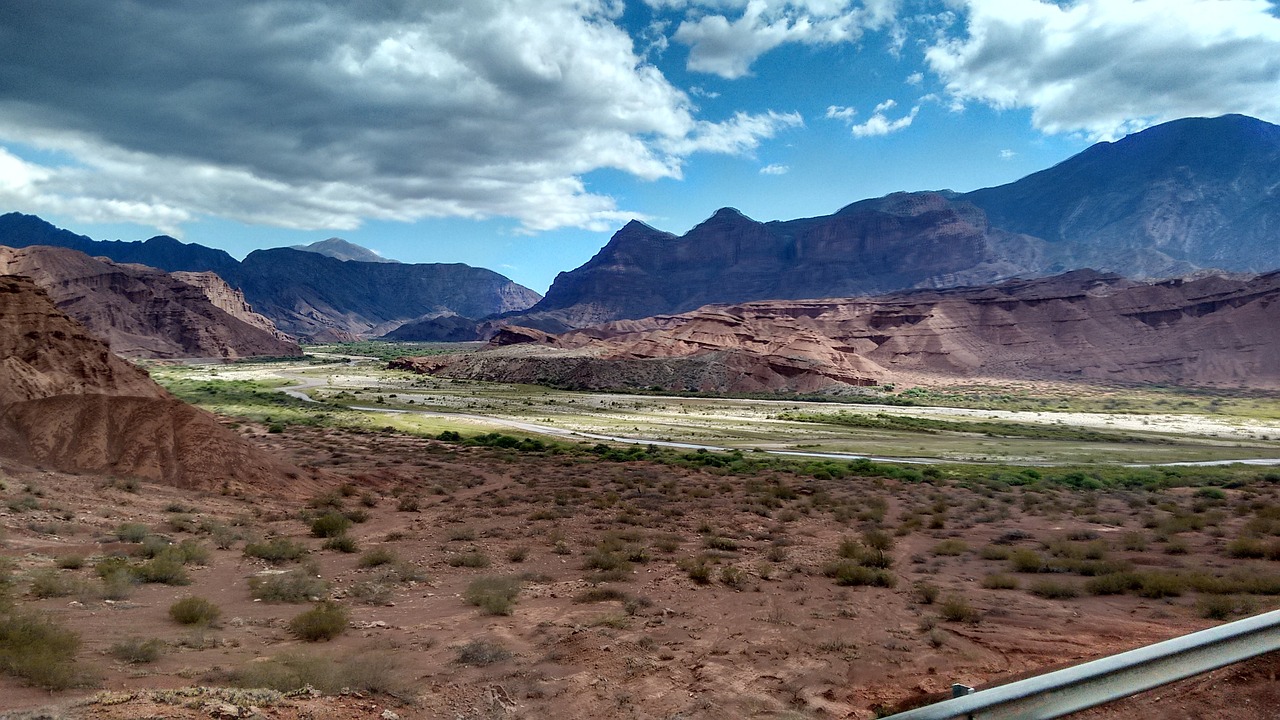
{"x":725,"y":46}
{"x":915,"y":78}
{"x":306,"y":114}
{"x":1008,"y":154}
{"x":774,"y":169}
{"x":840,"y":112}
{"x":1107,"y":67}
{"x":880,"y":124}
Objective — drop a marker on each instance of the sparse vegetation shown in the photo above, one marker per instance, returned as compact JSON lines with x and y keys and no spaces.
{"x":194,"y":611}
{"x":492,"y":594}
{"x":325,"y":621}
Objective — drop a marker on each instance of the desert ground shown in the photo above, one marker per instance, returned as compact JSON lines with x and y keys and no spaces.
{"x":497,"y":575}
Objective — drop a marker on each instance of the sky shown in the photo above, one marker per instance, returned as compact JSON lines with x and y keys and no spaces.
{"x":518,"y":135}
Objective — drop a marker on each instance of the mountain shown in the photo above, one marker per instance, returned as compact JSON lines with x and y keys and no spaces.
{"x":902,"y":240}
{"x":1196,"y":192}
{"x":68,"y":403}
{"x":340,"y":249}
{"x":144,"y":312}
{"x":1209,"y":331}
{"x":307,"y":294}
{"x":1189,"y":194}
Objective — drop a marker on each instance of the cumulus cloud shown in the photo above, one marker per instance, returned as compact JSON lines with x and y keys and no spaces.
{"x":774,"y":169}
{"x":325,"y":113}
{"x":1107,"y":67}
{"x":726,"y":36}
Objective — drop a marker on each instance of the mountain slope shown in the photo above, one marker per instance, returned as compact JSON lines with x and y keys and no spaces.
{"x":340,"y":249}
{"x":1211,"y":331}
{"x":1197,"y":192}
{"x":141,"y":311}
{"x":68,"y":403}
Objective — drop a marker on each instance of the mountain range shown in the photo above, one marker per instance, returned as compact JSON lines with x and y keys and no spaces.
{"x":1168,"y":201}
{"x":307,"y":294}
{"x":1172,"y":199}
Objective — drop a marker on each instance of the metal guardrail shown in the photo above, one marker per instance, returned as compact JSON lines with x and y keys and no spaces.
{"x":1096,"y":682}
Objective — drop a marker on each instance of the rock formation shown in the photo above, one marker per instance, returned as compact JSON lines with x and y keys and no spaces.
{"x":68,"y":403}
{"x":1213,"y":330}
{"x":144,"y":312}
{"x":229,"y":300}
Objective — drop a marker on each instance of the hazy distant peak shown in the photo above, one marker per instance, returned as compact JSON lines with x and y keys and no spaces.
{"x":343,"y":250}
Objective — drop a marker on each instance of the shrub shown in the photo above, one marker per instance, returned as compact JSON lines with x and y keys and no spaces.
{"x":600,"y":594}
{"x":927,"y":593}
{"x":194,"y":611}
{"x":69,"y":562}
{"x":341,"y":543}
{"x":1247,"y":548}
{"x":329,"y":525}
{"x":735,"y":578}
{"x":474,"y":559}
{"x":371,"y":673}
{"x":847,"y":573}
{"x":132,"y":532}
{"x":275,"y":550}
{"x":49,"y":583}
{"x":325,"y":621}
{"x":377,"y":556}
{"x":1157,"y":585}
{"x":295,"y":586}
{"x":517,"y":554}
{"x":118,"y":584}
{"x":1026,"y":561}
{"x":137,"y":651}
{"x":951,"y":548}
{"x":955,"y":608}
{"x":1000,"y":581}
{"x":600,"y":559}
{"x":1054,"y":589}
{"x":494,"y":595}
{"x":165,"y":569}
{"x":1113,"y":584}
{"x":1218,"y":607}
{"x":482,"y":652}
{"x":717,"y":542}
{"x":38,"y":650}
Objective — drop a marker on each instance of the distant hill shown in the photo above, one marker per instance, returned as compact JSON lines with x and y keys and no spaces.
{"x":340,"y":249}
{"x":1189,"y":194}
{"x":307,"y":294}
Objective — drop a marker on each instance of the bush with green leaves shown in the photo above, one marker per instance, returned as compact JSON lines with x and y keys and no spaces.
{"x":378,"y":556}
{"x":50,"y":583}
{"x":39,"y":651}
{"x":132,"y":532}
{"x":137,"y":651}
{"x":494,"y":594}
{"x":371,"y":673}
{"x":193,"y":610}
{"x":295,"y":586}
{"x":325,"y":621}
{"x":482,"y":652}
{"x":330,"y":524}
{"x":275,"y":550}
{"x":342,"y":543}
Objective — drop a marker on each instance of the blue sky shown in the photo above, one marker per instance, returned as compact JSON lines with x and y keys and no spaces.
{"x":519,"y":134}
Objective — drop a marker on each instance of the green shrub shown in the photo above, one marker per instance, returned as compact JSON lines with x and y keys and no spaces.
{"x":717,"y":542}
{"x":194,"y":611}
{"x":1219,"y":607}
{"x":474,"y":559}
{"x":368,"y":673}
{"x":1000,"y":581}
{"x":1113,"y":584}
{"x":1156,"y":585}
{"x":1247,"y":547}
{"x":132,"y":532}
{"x":847,"y":573}
{"x":330,"y":525}
{"x":955,"y":608}
{"x":39,"y":651}
{"x":295,"y":586}
{"x":137,"y":651}
{"x":275,"y":550}
{"x":69,"y":562}
{"x":165,"y":569}
{"x":494,"y":595}
{"x":49,"y":583}
{"x":1026,"y":561}
{"x":1054,"y":589}
{"x":325,"y":621}
{"x":735,"y":578}
{"x":951,"y":548}
{"x":377,"y":556}
{"x":118,"y":584}
{"x":927,"y":593}
{"x":341,"y":543}
{"x":517,"y":554}
{"x":482,"y":652}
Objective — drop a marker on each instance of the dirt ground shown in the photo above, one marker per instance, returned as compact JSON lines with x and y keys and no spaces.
{"x":613,"y":617}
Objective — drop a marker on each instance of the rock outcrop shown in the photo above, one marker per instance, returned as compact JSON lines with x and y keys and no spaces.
{"x":1211,"y":331}
{"x":231,"y":301}
{"x":140,"y":311}
{"x":68,"y":403}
